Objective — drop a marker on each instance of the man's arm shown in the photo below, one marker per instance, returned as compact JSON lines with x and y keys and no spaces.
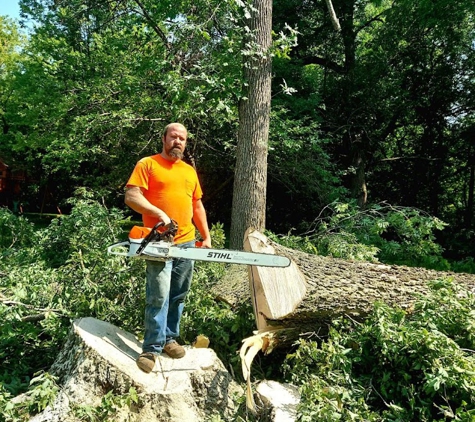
{"x":135,"y":199}
{"x":201,"y":222}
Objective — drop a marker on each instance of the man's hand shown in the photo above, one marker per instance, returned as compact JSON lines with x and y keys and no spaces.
{"x":206,"y":243}
{"x":203,"y":243}
{"x":163,"y":217}
{"x":199,"y":218}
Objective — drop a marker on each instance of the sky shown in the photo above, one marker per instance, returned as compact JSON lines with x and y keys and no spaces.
{"x":10,"y":8}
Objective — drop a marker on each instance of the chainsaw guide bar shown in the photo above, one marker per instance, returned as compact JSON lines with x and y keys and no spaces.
{"x":153,"y":247}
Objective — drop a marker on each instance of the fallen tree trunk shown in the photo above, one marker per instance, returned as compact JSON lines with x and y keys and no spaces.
{"x":334,"y":288}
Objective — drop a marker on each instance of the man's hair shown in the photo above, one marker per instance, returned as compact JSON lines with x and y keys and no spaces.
{"x":165,"y":131}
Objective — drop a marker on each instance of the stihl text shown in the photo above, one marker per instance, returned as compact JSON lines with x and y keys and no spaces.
{"x":219,"y":255}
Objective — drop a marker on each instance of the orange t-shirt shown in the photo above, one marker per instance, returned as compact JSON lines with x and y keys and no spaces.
{"x":172,"y":187}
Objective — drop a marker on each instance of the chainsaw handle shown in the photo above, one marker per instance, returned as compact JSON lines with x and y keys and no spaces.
{"x":147,"y":239}
{"x":170,"y":231}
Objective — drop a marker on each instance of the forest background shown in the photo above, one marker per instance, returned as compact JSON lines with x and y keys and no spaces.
{"x":371,"y":149}
{"x":381,"y":110}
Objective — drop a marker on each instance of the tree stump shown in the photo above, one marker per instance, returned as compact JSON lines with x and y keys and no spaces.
{"x":99,"y":357}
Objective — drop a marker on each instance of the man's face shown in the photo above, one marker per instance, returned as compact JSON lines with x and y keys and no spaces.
{"x":174,"y":142}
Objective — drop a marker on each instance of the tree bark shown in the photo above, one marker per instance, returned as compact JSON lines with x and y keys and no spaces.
{"x":250,"y":179}
{"x":337,"y":287}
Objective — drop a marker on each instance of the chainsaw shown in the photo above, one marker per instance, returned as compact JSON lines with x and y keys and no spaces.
{"x":156,"y":244}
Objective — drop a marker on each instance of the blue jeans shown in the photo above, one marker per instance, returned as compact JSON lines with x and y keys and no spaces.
{"x":168,"y":284}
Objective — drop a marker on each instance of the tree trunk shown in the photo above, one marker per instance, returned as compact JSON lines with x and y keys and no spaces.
{"x":359,"y":189}
{"x":250,"y":179}
{"x":471,"y":192}
{"x":355,"y":141}
{"x":334,"y":288}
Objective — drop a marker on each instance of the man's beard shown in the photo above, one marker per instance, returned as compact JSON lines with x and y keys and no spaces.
{"x":175,"y":152}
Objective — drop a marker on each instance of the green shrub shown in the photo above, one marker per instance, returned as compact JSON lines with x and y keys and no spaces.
{"x":15,"y":231}
{"x":110,"y":404}
{"x":466,"y":265}
{"x":89,"y":228}
{"x":396,"y":366}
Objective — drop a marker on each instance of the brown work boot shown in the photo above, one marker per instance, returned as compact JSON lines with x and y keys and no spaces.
{"x":146,"y":361}
{"x":174,"y":350}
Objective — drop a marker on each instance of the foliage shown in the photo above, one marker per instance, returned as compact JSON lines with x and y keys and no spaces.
{"x":380,"y":232}
{"x":390,"y":95}
{"x":297,"y":150}
{"x":110,"y":404}
{"x":27,"y":347}
{"x":397,"y":365}
{"x":64,"y":274}
{"x":41,"y":392}
{"x":71,"y":236}
{"x":10,"y":64}
{"x":466,"y":265}
{"x":224,"y":325}
{"x":99,"y":81}
{"x":15,"y":231}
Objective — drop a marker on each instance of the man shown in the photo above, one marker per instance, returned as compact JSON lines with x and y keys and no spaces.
{"x":163,"y":187}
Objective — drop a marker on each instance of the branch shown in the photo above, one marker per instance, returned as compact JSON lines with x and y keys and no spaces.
{"x":415,"y":157}
{"x":376,"y":18}
{"x":144,"y":119}
{"x":155,"y":27}
{"x":333,"y":17}
{"x":35,"y":317}
{"x":329,"y":64}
